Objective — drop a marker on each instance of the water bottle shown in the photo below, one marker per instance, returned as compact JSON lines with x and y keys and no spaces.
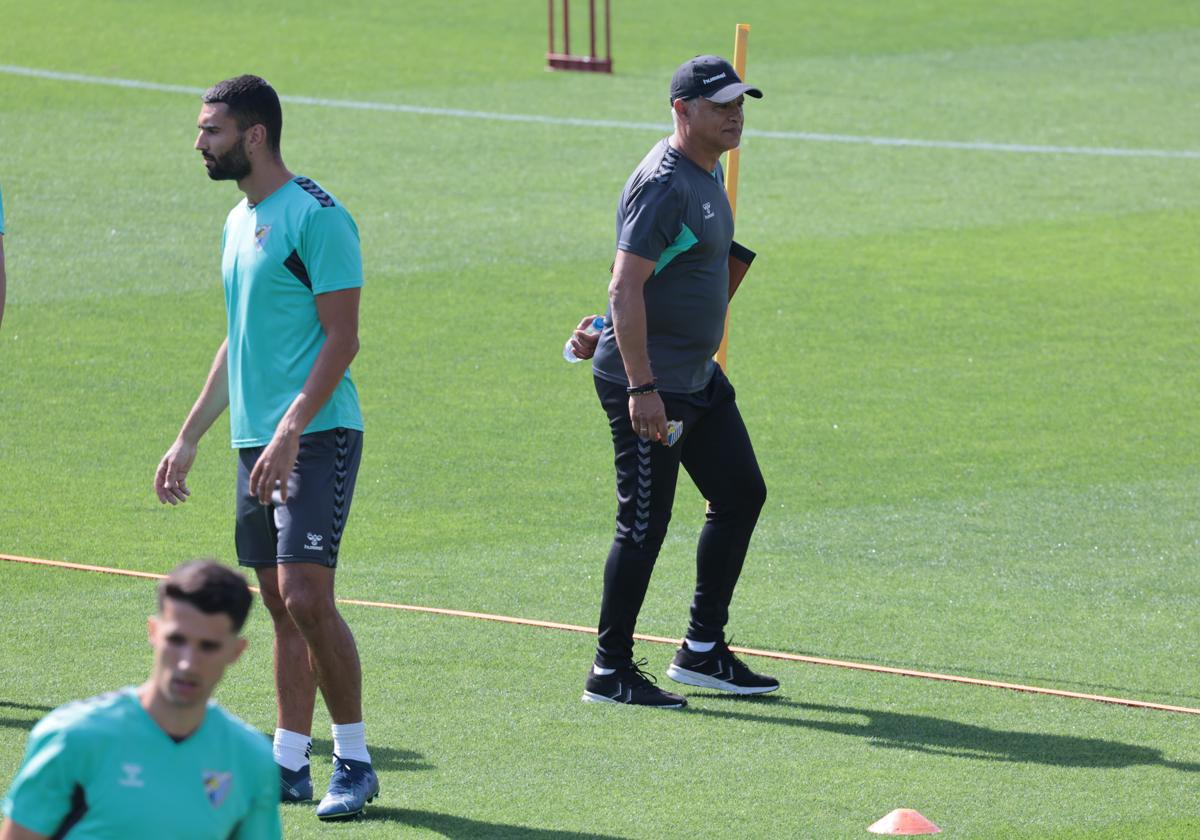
{"x":594,"y":328}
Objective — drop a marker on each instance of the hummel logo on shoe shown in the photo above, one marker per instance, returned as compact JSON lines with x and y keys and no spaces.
{"x":295,"y":785}
{"x":629,"y":685}
{"x":719,"y":669}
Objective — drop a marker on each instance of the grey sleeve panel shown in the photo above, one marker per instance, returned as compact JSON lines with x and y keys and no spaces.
{"x":652,"y":219}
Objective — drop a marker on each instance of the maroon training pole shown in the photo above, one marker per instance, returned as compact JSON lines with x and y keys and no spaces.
{"x":566,"y":28}
{"x":608,"y":34}
{"x":592,"y":27}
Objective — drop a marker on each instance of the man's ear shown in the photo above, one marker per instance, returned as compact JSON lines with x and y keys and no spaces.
{"x":257,"y":134}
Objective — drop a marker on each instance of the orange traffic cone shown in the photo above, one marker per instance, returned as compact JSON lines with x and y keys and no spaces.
{"x":903,"y":821}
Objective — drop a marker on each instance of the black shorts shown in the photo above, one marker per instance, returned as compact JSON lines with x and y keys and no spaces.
{"x":308,"y":527}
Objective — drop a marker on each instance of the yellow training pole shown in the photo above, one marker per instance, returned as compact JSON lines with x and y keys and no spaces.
{"x":732,"y":158}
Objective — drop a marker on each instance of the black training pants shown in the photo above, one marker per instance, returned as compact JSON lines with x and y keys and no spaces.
{"x":716,"y":452}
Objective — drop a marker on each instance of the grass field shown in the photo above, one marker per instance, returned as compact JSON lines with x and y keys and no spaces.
{"x":971,"y":376}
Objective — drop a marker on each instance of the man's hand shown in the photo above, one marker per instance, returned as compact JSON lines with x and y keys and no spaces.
{"x":648,"y":416}
{"x":583,"y":344}
{"x":170,"y":480}
{"x":274,"y":465}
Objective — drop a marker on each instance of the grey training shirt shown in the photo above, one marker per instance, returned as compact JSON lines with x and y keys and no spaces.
{"x":675,"y":213}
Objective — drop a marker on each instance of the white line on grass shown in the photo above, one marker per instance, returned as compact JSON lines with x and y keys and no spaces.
{"x":811,"y":137}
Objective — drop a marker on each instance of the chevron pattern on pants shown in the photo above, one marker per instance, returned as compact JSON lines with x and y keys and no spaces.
{"x":341,"y":472}
{"x":641,"y":521}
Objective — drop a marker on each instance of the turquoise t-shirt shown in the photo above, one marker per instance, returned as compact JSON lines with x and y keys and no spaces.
{"x":276,"y":257}
{"x":107,"y":756}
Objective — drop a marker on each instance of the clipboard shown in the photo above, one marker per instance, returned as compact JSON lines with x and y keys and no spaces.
{"x":740,"y":258}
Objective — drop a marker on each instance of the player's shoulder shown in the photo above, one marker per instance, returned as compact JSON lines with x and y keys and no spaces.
{"x":91,"y":717}
{"x":658,"y":173}
{"x":256,"y":745}
{"x":660,"y":164}
{"x":311,"y":195}
{"x":237,"y":211}
{"x":313,"y":208}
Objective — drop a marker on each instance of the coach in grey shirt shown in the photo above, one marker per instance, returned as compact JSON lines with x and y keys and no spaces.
{"x":653,"y":364}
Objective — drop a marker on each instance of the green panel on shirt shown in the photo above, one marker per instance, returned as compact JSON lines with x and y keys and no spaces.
{"x":686,"y":239}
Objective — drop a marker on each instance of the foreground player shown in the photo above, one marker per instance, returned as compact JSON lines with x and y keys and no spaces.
{"x":156,"y":760}
{"x":653,"y":363}
{"x":293,"y":272}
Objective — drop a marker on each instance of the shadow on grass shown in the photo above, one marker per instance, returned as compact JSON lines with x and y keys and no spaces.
{"x":28,"y":707}
{"x":937,"y":736}
{"x":25,"y":723}
{"x":464,"y":828}
{"x":1007,"y":676}
{"x":382,"y":758}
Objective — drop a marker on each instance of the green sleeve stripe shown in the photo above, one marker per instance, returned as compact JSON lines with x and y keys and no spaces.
{"x":686,"y":239}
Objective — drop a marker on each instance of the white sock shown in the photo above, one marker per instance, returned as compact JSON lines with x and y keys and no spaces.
{"x":291,"y":749}
{"x":350,"y":741}
{"x":699,"y":647}
{"x":603,"y":672}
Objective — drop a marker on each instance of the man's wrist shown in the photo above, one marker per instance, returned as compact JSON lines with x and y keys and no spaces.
{"x":187,"y":438}
{"x":650,"y":387}
{"x":286,"y":429}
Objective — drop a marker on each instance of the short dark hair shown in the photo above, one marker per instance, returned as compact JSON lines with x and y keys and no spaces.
{"x":251,"y":101}
{"x":210,"y":587}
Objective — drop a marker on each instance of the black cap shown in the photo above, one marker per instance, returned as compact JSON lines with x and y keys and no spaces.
{"x":709,"y":76}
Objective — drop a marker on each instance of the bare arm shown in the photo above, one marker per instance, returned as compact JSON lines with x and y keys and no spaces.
{"x":338,"y":313}
{"x":625,"y":294}
{"x":14,"y":831}
{"x":170,"y":481}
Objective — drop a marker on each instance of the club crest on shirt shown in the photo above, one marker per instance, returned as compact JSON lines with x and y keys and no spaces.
{"x":217,"y":786}
{"x":260,"y":236}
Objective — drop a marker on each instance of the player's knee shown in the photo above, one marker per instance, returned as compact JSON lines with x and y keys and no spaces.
{"x":273,"y":602}
{"x":645,"y":538}
{"x":307,"y":608}
{"x":744,"y":502}
{"x":268,"y":587}
{"x":756,"y":495}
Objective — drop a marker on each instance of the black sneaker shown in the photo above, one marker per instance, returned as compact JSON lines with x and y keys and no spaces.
{"x":720,"y":669}
{"x":630,"y":685}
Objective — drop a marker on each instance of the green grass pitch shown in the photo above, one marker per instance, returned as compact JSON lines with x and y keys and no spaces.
{"x":971,"y":377}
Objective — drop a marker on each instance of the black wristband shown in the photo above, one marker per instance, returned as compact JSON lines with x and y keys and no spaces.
{"x":637,"y":390}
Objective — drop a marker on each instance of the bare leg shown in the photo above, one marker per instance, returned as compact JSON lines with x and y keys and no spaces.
{"x":307,"y":594}
{"x":295,"y":681}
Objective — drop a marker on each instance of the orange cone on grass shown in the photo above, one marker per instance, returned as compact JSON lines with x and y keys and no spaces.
{"x":903,"y":821}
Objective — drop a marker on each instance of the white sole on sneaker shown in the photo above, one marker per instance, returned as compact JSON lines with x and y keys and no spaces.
{"x":682,"y":675}
{"x":589,"y":697}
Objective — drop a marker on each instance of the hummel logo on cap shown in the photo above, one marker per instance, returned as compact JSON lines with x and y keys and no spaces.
{"x":712,"y":77}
